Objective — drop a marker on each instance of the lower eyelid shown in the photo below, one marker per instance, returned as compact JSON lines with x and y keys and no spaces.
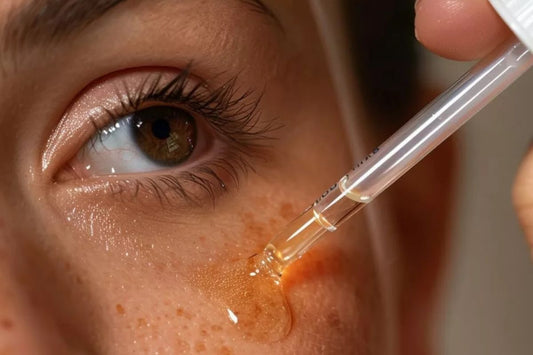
{"x":199,"y":187}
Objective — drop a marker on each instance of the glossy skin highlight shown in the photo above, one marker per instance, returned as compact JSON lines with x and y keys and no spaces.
{"x":250,"y":295}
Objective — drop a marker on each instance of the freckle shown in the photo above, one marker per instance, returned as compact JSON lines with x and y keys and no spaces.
{"x":202,"y":239}
{"x":120,"y":309}
{"x":225,"y":351}
{"x":141,"y":322}
{"x":67,"y":266}
{"x":79,"y":280}
{"x":252,"y":228}
{"x":180,"y":312}
{"x":199,"y":347}
{"x":204,"y":333}
{"x":286,"y":211}
{"x":6,"y":323}
{"x":216,"y":328}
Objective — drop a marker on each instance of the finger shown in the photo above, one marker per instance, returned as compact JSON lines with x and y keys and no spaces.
{"x":459,"y":29}
{"x":523,"y":196}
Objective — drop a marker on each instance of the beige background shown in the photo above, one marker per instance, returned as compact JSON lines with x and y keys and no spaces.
{"x":487,"y":305}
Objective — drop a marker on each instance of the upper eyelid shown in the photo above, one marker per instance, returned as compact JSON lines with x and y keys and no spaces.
{"x":237,"y":113}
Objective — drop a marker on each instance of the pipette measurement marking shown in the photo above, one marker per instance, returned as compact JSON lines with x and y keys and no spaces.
{"x":342,"y":186}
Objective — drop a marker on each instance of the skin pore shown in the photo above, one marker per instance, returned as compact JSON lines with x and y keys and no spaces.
{"x":102,"y":263}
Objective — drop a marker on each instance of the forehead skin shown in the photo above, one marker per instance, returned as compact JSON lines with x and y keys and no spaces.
{"x":82,"y":272}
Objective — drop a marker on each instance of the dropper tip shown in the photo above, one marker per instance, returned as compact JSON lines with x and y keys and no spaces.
{"x":271,"y":259}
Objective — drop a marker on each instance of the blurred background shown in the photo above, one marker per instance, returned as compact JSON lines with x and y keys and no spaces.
{"x":485,"y":302}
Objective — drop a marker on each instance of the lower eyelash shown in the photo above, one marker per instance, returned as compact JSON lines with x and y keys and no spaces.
{"x":213,"y":178}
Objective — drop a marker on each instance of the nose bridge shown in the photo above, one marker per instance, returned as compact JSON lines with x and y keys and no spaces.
{"x":40,"y":293}
{"x":25,"y":326}
{"x":18,"y":333}
{"x":31,"y":290}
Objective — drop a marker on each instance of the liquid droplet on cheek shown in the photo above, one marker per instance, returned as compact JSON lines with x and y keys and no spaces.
{"x":251,"y":298}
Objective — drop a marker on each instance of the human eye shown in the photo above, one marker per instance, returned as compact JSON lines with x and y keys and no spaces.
{"x":161,"y":134}
{"x":149,"y":139}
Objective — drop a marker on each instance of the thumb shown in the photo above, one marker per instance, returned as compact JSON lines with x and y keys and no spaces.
{"x":459,"y":29}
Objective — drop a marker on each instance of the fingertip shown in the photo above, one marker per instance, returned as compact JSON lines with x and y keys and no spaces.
{"x":459,"y":29}
{"x":523,"y":195}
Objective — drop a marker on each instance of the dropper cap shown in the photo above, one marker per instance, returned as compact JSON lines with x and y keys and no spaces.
{"x":518,"y":15}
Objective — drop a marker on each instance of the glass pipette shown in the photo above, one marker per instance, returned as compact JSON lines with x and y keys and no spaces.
{"x":387,"y":163}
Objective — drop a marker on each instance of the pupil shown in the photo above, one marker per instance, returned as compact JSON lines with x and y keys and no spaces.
{"x":161,"y":129}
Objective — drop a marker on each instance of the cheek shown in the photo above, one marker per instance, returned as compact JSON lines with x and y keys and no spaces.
{"x":139,"y":272}
{"x":331,"y":294}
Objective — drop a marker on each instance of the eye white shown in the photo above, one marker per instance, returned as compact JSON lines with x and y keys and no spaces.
{"x":116,"y":152}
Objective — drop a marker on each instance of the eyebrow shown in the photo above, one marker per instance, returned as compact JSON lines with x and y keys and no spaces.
{"x":51,"y":21}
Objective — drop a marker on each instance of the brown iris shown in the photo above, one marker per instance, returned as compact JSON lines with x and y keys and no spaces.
{"x":166,"y":135}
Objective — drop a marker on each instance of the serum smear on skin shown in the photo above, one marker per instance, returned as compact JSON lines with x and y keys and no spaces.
{"x":250,"y":296}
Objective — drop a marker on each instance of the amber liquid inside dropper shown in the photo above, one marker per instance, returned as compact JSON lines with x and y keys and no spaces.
{"x":300,"y":235}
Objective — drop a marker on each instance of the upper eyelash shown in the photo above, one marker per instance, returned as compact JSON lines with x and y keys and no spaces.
{"x":236,"y":116}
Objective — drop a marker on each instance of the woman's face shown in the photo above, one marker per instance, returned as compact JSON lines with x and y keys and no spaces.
{"x":146,"y":144}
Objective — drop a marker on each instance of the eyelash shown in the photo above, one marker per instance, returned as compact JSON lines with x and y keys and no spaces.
{"x":234,"y":117}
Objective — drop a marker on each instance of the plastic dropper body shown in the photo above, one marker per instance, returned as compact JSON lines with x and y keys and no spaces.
{"x":404,"y":149}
